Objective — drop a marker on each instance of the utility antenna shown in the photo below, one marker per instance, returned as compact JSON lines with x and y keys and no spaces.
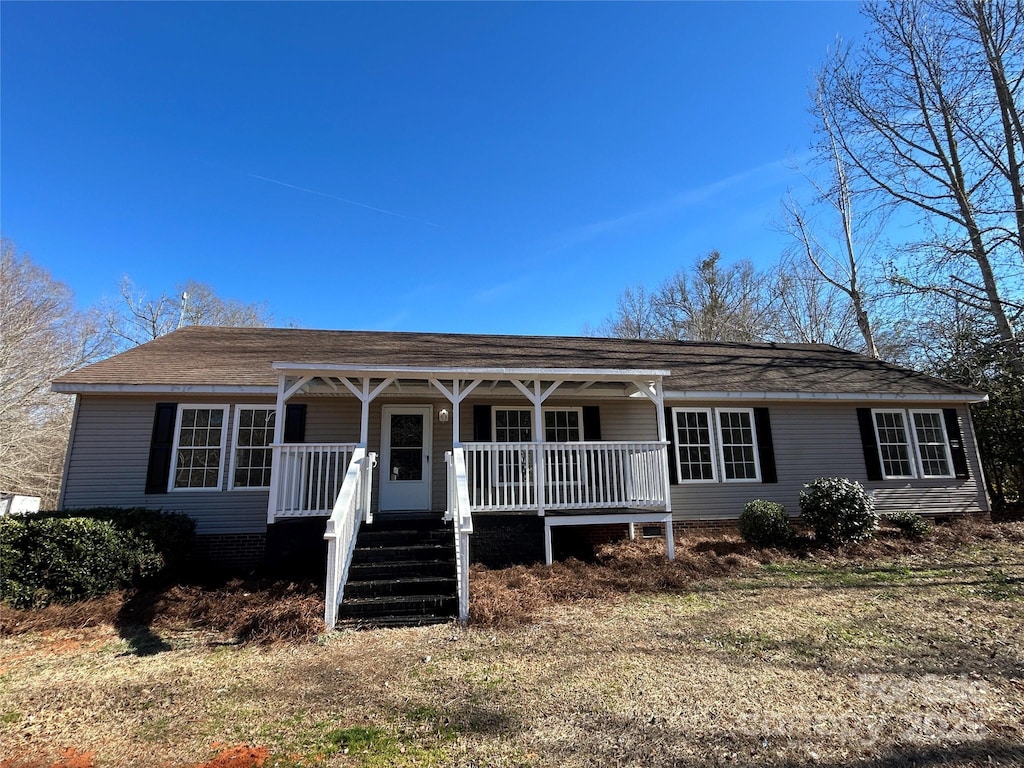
{"x":184,"y":308}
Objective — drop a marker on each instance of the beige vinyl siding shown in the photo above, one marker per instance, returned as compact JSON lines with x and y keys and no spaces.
{"x":331,"y":419}
{"x":110,"y":457}
{"x":813,"y":440}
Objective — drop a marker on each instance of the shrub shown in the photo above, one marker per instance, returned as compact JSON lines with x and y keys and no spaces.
{"x":765,"y":524}
{"x":839,"y":510}
{"x":62,"y":557}
{"x":164,"y":538}
{"x":910,"y":525}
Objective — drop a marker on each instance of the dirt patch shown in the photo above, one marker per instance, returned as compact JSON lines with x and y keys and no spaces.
{"x":238,"y":756}
{"x":69,"y":758}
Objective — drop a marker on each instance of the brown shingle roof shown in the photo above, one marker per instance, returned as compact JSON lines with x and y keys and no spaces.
{"x":200,"y":356}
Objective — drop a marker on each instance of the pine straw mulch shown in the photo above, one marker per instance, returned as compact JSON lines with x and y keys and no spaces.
{"x":264,"y":612}
{"x":239,"y":611}
{"x":518,"y":595}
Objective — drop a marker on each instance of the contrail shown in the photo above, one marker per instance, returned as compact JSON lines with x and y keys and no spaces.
{"x":342,"y":200}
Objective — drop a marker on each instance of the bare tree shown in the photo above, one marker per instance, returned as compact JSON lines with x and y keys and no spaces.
{"x":712,"y":302}
{"x":636,"y":315}
{"x":811,"y":309}
{"x":42,"y":336}
{"x":135,"y":318}
{"x":836,"y":255}
{"x":913,"y":116}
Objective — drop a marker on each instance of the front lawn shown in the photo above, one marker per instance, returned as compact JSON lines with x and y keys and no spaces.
{"x":881,"y":656}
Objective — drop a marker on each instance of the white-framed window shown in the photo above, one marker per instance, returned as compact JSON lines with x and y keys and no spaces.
{"x":716,"y":444}
{"x":893,"y":443}
{"x":738,"y":445}
{"x":932,"y":443}
{"x":512,"y":425}
{"x":252,"y":457}
{"x":695,"y":444}
{"x":197,"y":459}
{"x":912,"y":443}
{"x":515,"y":425}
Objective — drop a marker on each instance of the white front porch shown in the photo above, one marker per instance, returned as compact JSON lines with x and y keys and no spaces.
{"x":538,"y":461}
{"x":569,"y":477}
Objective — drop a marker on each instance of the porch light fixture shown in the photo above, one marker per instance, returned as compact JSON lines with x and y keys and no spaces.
{"x":443,"y":415}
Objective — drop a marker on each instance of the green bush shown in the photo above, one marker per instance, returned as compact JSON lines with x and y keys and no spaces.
{"x":839,"y":510}
{"x":910,"y":524}
{"x":48,"y":557}
{"x":765,"y":524}
{"x":168,"y":535}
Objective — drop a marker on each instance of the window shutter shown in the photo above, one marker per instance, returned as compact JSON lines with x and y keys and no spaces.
{"x":870,"y":446}
{"x":591,"y":422}
{"x":160,"y":446}
{"x":482,"y":423}
{"x":673,"y":468}
{"x":295,"y":423}
{"x":765,"y":446}
{"x":956,"y":443}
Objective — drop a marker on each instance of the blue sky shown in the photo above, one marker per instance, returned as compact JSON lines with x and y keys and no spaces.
{"x":478,"y":167}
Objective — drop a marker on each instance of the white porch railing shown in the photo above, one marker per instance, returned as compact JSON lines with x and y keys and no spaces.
{"x":577,"y":475}
{"x":460,"y":513}
{"x":351,"y":508}
{"x":308,"y":477}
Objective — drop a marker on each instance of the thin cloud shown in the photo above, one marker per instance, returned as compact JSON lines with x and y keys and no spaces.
{"x":345,"y":200}
{"x":685,"y":199}
{"x":494,"y":292}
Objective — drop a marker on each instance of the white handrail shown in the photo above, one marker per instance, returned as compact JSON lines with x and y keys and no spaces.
{"x":460,"y":513}
{"x":351,"y":507}
{"x":577,"y":475}
{"x":307,"y":477}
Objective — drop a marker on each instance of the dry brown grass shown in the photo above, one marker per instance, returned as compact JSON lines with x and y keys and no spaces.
{"x":839,"y":660}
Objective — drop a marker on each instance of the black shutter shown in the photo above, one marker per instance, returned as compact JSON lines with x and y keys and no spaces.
{"x":160,"y":446}
{"x":482,"y":423}
{"x":765,"y":446}
{"x":673,"y":469}
{"x":870,"y":446}
{"x":295,"y":423}
{"x":591,"y":422}
{"x":956,"y":443}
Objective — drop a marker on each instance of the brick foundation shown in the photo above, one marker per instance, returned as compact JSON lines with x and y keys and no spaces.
{"x":705,"y":527}
{"x":229,"y":552}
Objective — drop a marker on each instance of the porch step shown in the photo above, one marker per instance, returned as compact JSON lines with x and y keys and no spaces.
{"x":410,"y":569}
{"x":402,"y":573}
{"x":401,"y":553}
{"x":391,"y":587}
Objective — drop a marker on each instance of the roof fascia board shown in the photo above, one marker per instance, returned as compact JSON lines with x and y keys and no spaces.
{"x":414,"y":371}
{"x":846,"y":396}
{"x":145,"y":389}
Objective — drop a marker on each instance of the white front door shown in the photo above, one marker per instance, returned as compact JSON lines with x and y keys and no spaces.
{"x":405,"y":457}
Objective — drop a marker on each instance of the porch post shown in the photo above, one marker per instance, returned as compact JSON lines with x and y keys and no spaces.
{"x":275,"y":452}
{"x":659,"y":403}
{"x":364,"y":418}
{"x":538,"y":436}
